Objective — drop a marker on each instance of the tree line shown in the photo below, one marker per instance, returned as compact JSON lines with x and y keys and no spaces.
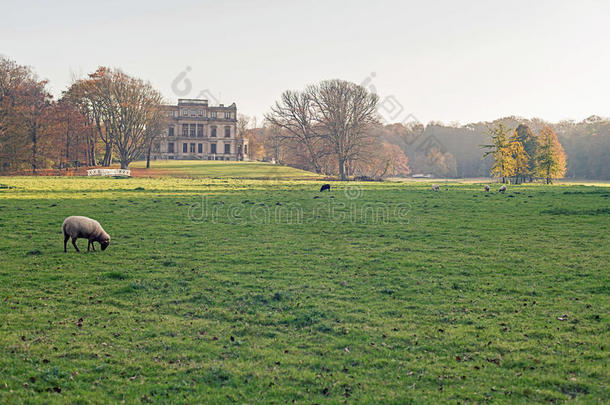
{"x":454,"y":151}
{"x":330,"y":128}
{"x":107,"y":114}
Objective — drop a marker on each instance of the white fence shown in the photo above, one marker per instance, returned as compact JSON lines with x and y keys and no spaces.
{"x":109,"y":172}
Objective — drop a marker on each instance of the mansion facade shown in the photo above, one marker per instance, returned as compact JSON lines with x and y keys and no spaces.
{"x":198,"y":131}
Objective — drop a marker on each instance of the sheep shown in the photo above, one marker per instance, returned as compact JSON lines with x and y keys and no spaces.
{"x":502,"y":189}
{"x":82,"y":227}
{"x":487,"y":188}
{"x":435,"y":187}
{"x":325,"y":187}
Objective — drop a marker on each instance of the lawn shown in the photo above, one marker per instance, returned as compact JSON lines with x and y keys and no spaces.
{"x":220,"y":169}
{"x":250,"y":291}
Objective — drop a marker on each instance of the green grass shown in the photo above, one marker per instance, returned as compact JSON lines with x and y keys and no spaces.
{"x":219,"y":169}
{"x":455,"y":296}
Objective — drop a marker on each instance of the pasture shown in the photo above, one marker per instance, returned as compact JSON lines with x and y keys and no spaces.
{"x":229,"y":289}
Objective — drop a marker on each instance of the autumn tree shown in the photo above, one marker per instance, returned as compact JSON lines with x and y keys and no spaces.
{"x":69,"y":133}
{"x":520,"y":161}
{"x":24,"y":112}
{"x":382,"y":159}
{"x":345,"y":114}
{"x":125,"y":110}
{"x":87,"y":94}
{"x":503,"y":162}
{"x":550,"y":157}
{"x":528,"y":140}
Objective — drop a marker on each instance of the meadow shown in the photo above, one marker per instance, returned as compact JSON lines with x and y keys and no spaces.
{"x":227,"y":288}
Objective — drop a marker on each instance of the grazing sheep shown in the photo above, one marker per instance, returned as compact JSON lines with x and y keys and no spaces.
{"x":435,"y":187}
{"x":82,"y":227}
{"x":502,"y":189}
{"x":325,"y":187}
{"x":486,"y":188}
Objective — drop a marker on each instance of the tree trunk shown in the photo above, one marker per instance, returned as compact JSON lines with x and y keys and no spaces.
{"x":107,"y":155}
{"x":34,"y":149}
{"x":92,"y":152}
{"x":67,"y":147}
{"x":124,"y":160}
{"x":342,"y":169}
{"x":148,"y":156}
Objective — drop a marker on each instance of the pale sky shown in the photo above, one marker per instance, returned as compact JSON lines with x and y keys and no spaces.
{"x":462,"y":61}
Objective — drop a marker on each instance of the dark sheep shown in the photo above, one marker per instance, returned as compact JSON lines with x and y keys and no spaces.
{"x":502,"y":189}
{"x":325,"y":187}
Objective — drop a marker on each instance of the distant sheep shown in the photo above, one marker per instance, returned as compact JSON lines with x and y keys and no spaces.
{"x":502,"y":189}
{"x":435,"y":187}
{"x":487,"y":188}
{"x":325,"y":187}
{"x":82,"y":227}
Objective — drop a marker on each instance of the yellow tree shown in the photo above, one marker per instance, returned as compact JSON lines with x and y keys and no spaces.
{"x":550,"y":157}
{"x":500,"y":150}
{"x":520,"y":160}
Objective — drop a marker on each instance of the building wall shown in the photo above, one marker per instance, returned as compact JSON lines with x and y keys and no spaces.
{"x":193,"y":123}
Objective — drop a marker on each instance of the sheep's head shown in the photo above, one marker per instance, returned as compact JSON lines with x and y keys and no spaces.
{"x":104,"y":242}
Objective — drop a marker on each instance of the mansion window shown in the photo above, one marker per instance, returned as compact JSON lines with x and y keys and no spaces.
{"x":213,"y":132}
{"x":246,"y":149}
{"x":200,"y":148}
{"x":227,"y":115}
{"x":227,"y":132}
{"x":201,"y":113}
{"x":192,"y":131}
{"x":192,"y":150}
{"x":213,"y":114}
{"x":212,"y":148}
{"x":199,"y":130}
{"x":170,"y":131}
{"x":157,"y":147}
{"x":185,"y":113}
{"x":227,"y":148}
{"x":170,"y":147}
{"x":185,"y":129}
{"x":185,"y":147}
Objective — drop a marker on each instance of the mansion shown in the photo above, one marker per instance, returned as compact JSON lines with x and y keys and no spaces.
{"x":199,"y":131}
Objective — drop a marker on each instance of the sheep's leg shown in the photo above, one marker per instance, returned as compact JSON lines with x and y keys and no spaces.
{"x":92,"y":245}
{"x":66,"y":237}
{"x":88,"y":244}
{"x":74,"y":244}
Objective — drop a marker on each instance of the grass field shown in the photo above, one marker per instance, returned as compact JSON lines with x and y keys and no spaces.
{"x":250,"y":291}
{"x":219,"y":169}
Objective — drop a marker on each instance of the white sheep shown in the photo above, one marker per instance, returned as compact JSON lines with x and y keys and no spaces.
{"x":502,"y":189}
{"x":486,"y":188}
{"x":435,"y":187}
{"x":82,"y":227}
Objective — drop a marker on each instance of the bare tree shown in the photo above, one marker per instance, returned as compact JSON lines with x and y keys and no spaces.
{"x":123,"y":108}
{"x":295,"y":113}
{"x":345,"y":113}
{"x":87,"y":94}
